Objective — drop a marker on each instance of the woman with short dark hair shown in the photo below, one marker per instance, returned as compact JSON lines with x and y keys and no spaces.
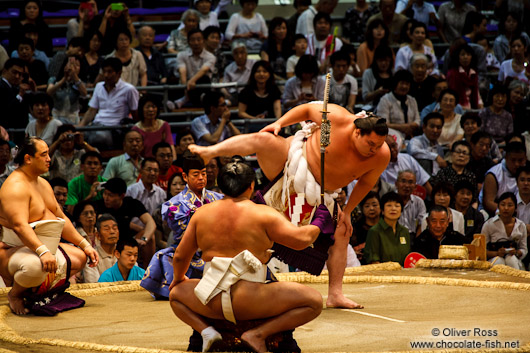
{"x":399,"y":108}
{"x":134,"y":70}
{"x":369,"y":217}
{"x":305,"y":86}
{"x":388,"y":240}
{"x":152,"y":129}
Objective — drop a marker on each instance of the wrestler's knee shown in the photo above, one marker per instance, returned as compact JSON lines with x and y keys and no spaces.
{"x":264,"y":138}
{"x":77,"y":257}
{"x":176,"y":293}
{"x":314,"y":300}
{"x":26,"y":268}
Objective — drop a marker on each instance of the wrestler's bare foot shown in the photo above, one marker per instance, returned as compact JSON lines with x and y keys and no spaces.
{"x":16,"y":304}
{"x":254,"y":340}
{"x":202,"y":151}
{"x":340,"y":301}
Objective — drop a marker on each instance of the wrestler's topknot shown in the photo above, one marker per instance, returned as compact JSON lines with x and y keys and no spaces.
{"x":371,"y":123}
{"x":28,"y":147}
{"x":235,"y":177}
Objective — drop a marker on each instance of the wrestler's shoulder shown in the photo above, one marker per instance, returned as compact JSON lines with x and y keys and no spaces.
{"x":15,"y":178}
{"x":382,"y":155}
{"x":384,"y":151}
{"x":43,"y":182}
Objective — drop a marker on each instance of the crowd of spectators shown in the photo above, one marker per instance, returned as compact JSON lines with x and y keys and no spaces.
{"x":456,"y":105}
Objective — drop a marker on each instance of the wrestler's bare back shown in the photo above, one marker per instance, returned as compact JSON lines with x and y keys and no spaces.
{"x":242,"y":224}
{"x":19,"y":195}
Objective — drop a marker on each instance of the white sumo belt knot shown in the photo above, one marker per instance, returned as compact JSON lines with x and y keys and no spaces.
{"x":222,"y":273}
{"x":297,"y":173}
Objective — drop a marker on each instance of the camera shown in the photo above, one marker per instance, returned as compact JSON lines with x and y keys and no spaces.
{"x":69,"y":136}
{"x":117,"y":6}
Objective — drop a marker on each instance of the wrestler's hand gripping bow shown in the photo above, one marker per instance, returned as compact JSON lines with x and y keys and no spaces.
{"x":325,"y":130}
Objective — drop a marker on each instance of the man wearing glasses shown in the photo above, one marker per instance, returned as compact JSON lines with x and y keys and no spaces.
{"x":414,"y":208}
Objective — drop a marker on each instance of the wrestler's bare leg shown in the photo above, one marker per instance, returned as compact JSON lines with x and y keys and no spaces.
{"x":271,"y":150}
{"x":15,"y":295}
{"x":188,"y":308}
{"x":336,"y":265}
{"x":77,"y":258}
{"x":293,"y":306}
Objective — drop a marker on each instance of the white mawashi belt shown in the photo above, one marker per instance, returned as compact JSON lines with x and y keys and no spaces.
{"x":222,"y":273}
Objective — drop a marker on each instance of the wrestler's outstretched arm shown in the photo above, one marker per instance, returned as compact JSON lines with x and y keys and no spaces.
{"x":281,"y":231}
{"x":293,"y":116}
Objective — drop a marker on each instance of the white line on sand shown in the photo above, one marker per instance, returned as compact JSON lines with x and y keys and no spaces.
{"x":372,"y":315}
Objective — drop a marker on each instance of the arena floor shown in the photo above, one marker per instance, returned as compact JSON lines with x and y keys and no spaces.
{"x":448,"y":308}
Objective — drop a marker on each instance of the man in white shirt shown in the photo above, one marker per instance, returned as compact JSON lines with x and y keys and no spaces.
{"x":239,"y":70}
{"x":112,"y":101}
{"x":403,"y":161}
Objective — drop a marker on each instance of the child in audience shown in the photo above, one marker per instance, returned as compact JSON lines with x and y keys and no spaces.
{"x":299,"y":47}
{"x":492,"y":64}
{"x":30,"y":31}
{"x":343,"y":87}
{"x":354,"y":69}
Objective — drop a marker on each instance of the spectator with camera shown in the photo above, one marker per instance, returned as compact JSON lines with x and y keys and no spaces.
{"x":66,"y":151}
{"x":115,"y":20}
{"x":66,"y":89}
